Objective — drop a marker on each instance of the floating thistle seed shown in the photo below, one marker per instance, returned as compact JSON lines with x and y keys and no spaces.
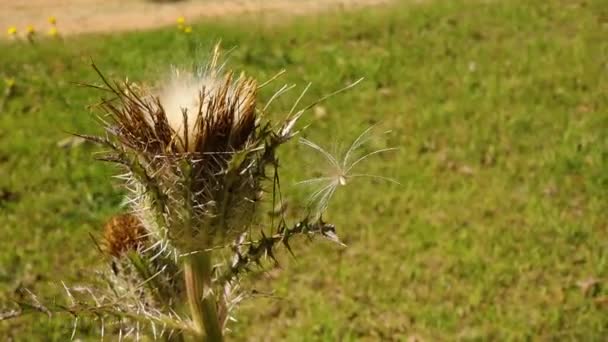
{"x":123,"y":233}
{"x":340,"y":170}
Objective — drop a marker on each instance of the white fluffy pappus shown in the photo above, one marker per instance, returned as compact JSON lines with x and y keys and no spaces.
{"x":184,"y":92}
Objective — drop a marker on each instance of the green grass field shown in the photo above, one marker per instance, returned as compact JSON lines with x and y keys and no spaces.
{"x":498,"y":230}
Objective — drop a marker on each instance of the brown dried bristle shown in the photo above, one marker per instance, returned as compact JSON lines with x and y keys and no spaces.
{"x":224,"y":119}
{"x":123,"y":233}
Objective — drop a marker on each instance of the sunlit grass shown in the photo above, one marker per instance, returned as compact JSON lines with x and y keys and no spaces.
{"x":498,"y":109}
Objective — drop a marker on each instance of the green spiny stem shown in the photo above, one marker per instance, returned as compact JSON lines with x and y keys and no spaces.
{"x":143,"y":267}
{"x":266,"y":245}
{"x":203,"y":308}
{"x":225,"y":196}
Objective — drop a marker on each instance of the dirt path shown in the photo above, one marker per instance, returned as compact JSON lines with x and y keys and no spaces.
{"x":79,"y":16}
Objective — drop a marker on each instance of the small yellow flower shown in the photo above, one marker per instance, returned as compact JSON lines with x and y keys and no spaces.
{"x":53,"y":32}
{"x":9,"y":82}
{"x":52,"y":20}
{"x":30,"y":33}
{"x":12,"y":31}
{"x":188,"y":29}
{"x":181,"y":20}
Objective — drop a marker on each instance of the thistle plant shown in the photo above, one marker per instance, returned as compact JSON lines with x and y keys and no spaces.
{"x":198,"y":160}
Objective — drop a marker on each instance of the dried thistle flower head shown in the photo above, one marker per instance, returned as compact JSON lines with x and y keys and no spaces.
{"x":123,"y":233}
{"x":194,"y":155}
{"x":209,"y":112}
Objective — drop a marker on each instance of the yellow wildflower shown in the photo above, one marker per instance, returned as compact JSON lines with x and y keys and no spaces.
{"x":188,"y":29}
{"x":12,"y":31}
{"x":52,"y":20}
{"x":53,"y":32}
{"x":9,"y":82}
{"x":30,"y":33}
{"x":181,"y":20}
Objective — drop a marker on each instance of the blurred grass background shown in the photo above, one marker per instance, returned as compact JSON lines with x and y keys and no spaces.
{"x":498,"y":231}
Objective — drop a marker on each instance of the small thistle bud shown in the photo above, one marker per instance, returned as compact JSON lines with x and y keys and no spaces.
{"x":123,"y":233}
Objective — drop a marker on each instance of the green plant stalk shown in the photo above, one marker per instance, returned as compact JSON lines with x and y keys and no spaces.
{"x":203,"y":309}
